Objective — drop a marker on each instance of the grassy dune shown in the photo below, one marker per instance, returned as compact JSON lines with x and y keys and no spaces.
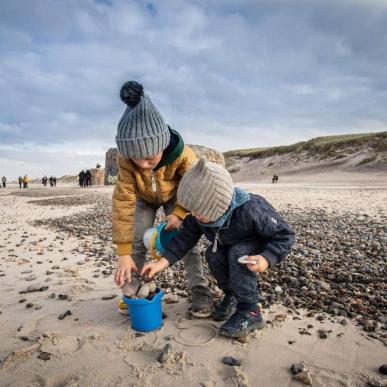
{"x":328,"y":146}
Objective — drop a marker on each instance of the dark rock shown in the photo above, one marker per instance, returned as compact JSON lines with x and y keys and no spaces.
{"x":322,"y":334}
{"x":64,"y":315}
{"x":383,"y":369}
{"x":109,"y":297}
{"x":44,"y":356}
{"x":168,"y":337}
{"x":296,"y":368}
{"x":231,"y":361}
{"x":164,"y":354}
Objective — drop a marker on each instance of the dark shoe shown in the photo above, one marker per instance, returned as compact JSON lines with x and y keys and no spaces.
{"x":241,"y":323}
{"x":201,"y":302}
{"x":225,"y":308}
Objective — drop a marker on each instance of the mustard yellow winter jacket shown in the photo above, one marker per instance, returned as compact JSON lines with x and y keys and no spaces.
{"x":154,"y":186}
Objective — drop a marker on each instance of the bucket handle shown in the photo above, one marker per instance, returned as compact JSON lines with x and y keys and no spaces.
{"x":152,"y":250}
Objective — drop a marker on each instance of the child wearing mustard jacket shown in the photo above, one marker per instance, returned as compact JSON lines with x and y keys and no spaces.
{"x":151,"y":161}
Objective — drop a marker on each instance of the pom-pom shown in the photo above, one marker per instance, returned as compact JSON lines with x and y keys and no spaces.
{"x":131,"y":93}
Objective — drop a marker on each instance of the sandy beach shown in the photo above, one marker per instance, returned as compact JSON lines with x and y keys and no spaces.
{"x":52,"y":262}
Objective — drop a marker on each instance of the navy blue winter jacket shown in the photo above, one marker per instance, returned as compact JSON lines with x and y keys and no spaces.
{"x":255,"y":220}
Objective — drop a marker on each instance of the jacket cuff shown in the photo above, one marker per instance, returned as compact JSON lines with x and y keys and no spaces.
{"x":170,"y":257}
{"x":180,"y":212}
{"x":272,"y":258}
{"x":124,"y":249}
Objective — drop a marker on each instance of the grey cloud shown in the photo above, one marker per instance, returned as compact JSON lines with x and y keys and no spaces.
{"x":228,"y":74}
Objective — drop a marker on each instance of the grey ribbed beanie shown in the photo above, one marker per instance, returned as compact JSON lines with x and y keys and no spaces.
{"x":207,"y":189}
{"x":142,"y":131}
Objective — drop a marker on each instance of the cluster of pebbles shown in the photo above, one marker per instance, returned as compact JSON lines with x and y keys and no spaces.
{"x":337,"y":266}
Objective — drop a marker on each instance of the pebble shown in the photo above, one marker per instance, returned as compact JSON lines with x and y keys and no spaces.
{"x":168,"y":337}
{"x":31,"y":277}
{"x":231,"y":361}
{"x":172,"y":299}
{"x":109,"y":297}
{"x":296,"y":368}
{"x":304,"y":377}
{"x":278,"y":289}
{"x":143,"y":292}
{"x":322,"y":334}
{"x":152,"y":287}
{"x":164,"y":354}
{"x":44,"y":356}
{"x":383,"y":369}
{"x":34,"y":288}
{"x":64,"y":315}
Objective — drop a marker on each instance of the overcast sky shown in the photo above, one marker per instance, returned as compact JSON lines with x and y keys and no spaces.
{"x":226,"y":74}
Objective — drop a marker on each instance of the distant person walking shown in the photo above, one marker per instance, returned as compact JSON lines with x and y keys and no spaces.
{"x":20,"y":180}
{"x":44,"y":181}
{"x":82,"y":178}
{"x":274,"y":179}
{"x":51,"y":181}
{"x":4,"y":181}
{"x":25,"y":181}
{"x":54,"y":181}
{"x":88,"y":178}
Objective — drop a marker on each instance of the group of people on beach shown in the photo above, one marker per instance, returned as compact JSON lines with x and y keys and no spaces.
{"x":85,"y":178}
{"x":23,"y":182}
{"x":51,"y":180}
{"x":246,"y":234}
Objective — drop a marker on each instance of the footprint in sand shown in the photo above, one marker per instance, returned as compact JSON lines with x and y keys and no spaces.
{"x":60,"y":344}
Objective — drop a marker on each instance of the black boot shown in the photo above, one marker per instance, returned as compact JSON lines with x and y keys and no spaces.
{"x":241,"y":323}
{"x":224,"y":308}
{"x":201,"y":302}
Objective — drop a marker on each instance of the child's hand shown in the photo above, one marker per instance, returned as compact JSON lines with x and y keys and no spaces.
{"x":124,"y":270}
{"x":150,"y":269}
{"x":261,"y":265}
{"x":173,"y":222}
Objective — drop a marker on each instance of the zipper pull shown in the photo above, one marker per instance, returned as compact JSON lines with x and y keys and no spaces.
{"x":154,"y":187}
{"x":215,"y":247}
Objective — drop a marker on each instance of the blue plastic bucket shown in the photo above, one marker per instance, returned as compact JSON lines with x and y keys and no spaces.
{"x":164,"y":237}
{"x":145,"y":315}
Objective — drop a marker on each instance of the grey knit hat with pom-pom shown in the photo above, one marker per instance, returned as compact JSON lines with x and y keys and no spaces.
{"x":142,"y":131}
{"x":207,"y":188}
